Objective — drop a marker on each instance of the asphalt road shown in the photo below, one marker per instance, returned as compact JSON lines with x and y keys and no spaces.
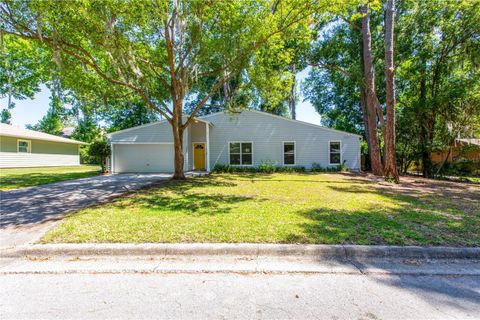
{"x":233,"y":296}
{"x":163,"y":288}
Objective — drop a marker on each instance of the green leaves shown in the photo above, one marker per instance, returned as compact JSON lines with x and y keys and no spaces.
{"x":22,"y":68}
{"x":158,"y":51}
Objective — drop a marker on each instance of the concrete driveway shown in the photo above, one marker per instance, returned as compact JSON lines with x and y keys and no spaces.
{"x":27,"y":213}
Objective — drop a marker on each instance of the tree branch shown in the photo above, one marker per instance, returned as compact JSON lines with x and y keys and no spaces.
{"x":333,"y":67}
{"x":299,"y":16}
{"x":205,"y":99}
{"x":89,"y":61}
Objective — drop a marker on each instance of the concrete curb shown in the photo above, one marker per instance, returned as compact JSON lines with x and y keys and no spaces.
{"x":348,"y":252}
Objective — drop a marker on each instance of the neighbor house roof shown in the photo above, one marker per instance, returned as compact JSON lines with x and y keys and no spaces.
{"x":469,"y":141}
{"x":13,"y":131}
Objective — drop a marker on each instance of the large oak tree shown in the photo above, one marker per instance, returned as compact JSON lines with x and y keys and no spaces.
{"x":157,"y":50}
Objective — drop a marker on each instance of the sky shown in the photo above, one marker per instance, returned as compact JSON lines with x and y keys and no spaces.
{"x":31,"y":111}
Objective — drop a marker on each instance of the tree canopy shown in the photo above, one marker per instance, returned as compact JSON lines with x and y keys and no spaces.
{"x":159,"y":51}
{"x":123,"y":63}
{"x":437,"y":74}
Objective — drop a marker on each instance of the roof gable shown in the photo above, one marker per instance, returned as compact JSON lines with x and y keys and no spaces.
{"x":148,"y":125}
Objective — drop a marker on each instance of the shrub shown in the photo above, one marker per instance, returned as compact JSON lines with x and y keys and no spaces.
{"x":100,"y":150}
{"x":267,"y":167}
{"x":263,"y":167}
{"x":85,"y":158}
{"x":291,"y":169}
{"x":343,"y":167}
{"x":338,"y":168}
{"x":464,"y":167}
{"x":459,"y":167}
{"x":316,"y":167}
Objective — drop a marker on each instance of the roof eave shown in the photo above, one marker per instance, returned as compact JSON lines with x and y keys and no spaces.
{"x":19,"y":136}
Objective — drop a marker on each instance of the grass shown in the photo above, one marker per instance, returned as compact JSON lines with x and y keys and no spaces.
{"x":470,"y":179}
{"x":284,"y":208}
{"x":27,"y":177}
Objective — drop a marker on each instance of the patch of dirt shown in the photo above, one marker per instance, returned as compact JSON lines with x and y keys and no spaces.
{"x":463,"y":196}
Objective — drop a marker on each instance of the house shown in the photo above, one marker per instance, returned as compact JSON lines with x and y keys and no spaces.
{"x":243,"y":139}
{"x":466,"y":149}
{"x":28,"y":148}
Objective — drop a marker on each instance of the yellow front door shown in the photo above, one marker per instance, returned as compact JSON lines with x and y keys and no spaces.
{"x":199,"y":156}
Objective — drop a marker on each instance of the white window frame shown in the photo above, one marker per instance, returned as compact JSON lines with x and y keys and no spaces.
{"x":294,"y":153}
{"x":29,"y":145}
{"x":329,"y":153}
{"x":241,"y":164}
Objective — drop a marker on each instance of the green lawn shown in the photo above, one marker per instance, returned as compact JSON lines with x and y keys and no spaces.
{"x":285,"y":208}
{"x":27,"y":177}
{"x":470,"y":179}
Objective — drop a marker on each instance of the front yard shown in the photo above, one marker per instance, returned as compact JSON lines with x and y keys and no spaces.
{"x":27,"y":177}
{"x":285,"y":208}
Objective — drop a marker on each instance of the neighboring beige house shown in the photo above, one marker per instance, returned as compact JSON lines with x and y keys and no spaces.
{"x":467,"y":149}
{"x":28,"y":148}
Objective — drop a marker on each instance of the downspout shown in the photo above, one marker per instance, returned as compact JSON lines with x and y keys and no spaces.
{"x":112,"y":157}
{"x":208,"y":145}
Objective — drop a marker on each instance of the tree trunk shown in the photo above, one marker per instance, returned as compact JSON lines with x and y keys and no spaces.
{"x":425,"y":146}
{"x":363,"y":103}
{"x":291,"y":98}
{"x":375,"y":158}
{"x":390,"y":168}
{"x":178,"y":141}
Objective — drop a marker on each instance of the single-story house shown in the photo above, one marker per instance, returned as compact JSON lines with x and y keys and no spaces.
{"x":243,"y":139}
{"x":466,"y":149}
{"x":28,"y":148}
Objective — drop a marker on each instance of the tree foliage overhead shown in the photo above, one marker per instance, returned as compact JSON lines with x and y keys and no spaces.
{"x":124,"y":114}
{"x":22,"y":67}
{"x":126,"y":63}
{"x":333,"y":85}
{"x":437,"y":60}
{"x":159,"y":51}
{"x":53,"y":121}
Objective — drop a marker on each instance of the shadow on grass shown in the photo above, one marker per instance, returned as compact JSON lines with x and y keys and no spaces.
{"x":432,"y":197}
{"x":179,"y":197}
{"x":194,"y":204}
{"x":448,"y":218}
{"x":272,"y":177}
{"x":403,"y":225}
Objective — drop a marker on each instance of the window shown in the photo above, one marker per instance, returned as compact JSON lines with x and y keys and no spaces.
{"x":241,"y":153}
{"x":288,"y":153}
{"x":23,"y":146}
{"x":335,"y":152}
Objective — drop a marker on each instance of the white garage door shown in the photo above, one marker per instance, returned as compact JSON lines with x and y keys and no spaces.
{"x":143,"y":158}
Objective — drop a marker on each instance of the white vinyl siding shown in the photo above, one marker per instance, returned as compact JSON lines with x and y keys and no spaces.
{"x":150,"y":133}
{"x":19,"y":153}
{"x":21,"y":160}
{"x":267,"y":133}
